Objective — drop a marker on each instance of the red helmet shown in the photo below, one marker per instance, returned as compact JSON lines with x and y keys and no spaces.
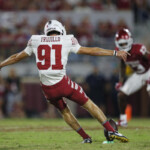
{"x":123,"y":40}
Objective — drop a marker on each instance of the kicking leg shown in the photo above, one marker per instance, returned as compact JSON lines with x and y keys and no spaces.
{"x":79,"y":96}
{"x":95,"y":111}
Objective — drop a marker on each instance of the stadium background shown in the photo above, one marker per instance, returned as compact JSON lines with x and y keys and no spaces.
{"x":94,"y":23}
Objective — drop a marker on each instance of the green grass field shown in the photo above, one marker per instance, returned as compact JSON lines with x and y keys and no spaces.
{"x":54,"y":134}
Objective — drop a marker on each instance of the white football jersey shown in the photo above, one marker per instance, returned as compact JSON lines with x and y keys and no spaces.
{"x":51,"y":54}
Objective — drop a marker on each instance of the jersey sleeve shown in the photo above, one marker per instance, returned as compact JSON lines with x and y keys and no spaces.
{"x":29,"y":48}
{"x":75,"y":46}
{"x":31,"y":44}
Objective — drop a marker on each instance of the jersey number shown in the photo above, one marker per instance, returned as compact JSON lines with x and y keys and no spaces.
{"x":44,"y":56}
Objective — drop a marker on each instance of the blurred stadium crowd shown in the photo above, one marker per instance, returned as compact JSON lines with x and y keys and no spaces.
{"x":88,"y":36}
{"x":14,"y":98}
{"x":63,"y":5}
{"x":20,"y":32}
{"x":69,"y":5}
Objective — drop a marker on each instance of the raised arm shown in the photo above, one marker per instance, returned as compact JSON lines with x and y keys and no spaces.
{"x":95,"y":51}
{"x":14,"y":59}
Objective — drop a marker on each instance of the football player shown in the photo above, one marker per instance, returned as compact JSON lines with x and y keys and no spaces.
{"x":140,"y":64}
{"x":51,"y":51}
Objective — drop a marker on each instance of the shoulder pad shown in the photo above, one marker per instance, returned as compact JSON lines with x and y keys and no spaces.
{"x":35,"y":37}
{"x":138,"y":45}
{"x":69,"y":36}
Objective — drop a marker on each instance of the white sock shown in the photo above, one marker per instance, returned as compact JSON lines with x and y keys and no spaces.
{"x":123,"y":117}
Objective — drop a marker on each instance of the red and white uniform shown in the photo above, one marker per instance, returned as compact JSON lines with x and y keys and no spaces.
{"x":141,"y":68}
{"x":51,"y":54}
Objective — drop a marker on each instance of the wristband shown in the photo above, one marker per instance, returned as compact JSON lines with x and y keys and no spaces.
{"x":114,"y":53}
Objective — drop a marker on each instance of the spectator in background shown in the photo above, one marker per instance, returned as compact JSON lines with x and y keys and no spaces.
{"x":14,"y":95}
{"x":73,"y":3}
{"x":123,"y":4}
{"x":105,"y":29}
{"x":96,"y":84}
{"x":109,"y":5}
{"x":52,"y":5}
{"x":33,"y":7}
{"x":1,"y":4}
{"x":65,"y":6}
{"x":23,"y":26}
{"x":97,"y":5}
{"x":111,"y":95}
{"x":39,"y":26}
{"x":121,"y":24}
{"x":83,"y":6}
{"x":69,"y":26}
{"x":140,"y":10}
{"x":8,"y":5}
{"x":85,"y":34}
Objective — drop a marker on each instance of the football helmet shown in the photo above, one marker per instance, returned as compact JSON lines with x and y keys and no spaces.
{"x":54,"y":25}
{"x":123,"y":40}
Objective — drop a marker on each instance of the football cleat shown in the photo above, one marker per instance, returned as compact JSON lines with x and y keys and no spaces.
{"x":88,"y":140}
{"x":122,"y":123}
{"x":114,"y":126}
{"x":118,"y":136}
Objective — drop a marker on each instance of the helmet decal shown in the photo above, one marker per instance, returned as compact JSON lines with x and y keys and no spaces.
{"x":50,"y":22}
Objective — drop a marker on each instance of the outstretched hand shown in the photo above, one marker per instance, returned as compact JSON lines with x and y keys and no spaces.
{"x":123,"y":55}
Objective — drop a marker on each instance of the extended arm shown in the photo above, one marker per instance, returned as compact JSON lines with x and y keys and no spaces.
{"x":14,"y":59}
{"x":95,"y":51}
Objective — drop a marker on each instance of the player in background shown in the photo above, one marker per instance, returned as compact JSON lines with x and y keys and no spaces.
{"x":140,"y":64}
{"x":51,"y":51}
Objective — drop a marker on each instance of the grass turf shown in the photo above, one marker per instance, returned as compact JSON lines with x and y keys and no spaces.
{"x":54,"y":134}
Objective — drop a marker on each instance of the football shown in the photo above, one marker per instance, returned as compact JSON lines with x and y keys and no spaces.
{"x":113,"y":124}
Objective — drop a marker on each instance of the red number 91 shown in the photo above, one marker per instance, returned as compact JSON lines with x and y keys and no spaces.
{"x":44,"y":56}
